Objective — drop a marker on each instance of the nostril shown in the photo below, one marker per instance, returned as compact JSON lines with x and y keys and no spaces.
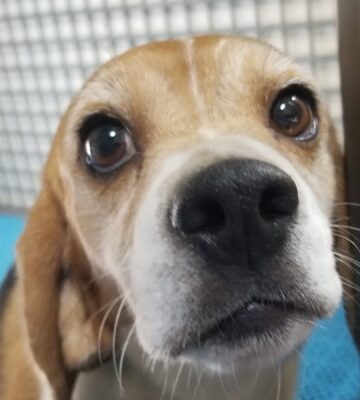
{"x":203,"y":215}
{"x":279,"y":199}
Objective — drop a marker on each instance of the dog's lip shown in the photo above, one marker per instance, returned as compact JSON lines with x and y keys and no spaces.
{"x":259,"y":318}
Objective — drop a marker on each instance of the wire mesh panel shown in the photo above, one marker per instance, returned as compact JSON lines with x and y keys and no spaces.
{"x":48,"y":47}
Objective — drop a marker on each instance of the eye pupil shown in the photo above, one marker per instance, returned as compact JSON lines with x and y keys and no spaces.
{"x":292,"y":116}
{"x":106,"y":141}
{"x":107,"y":147}
{"x":287,"y":112}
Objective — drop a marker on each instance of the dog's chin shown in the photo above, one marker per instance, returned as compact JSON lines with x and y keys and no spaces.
{"x":269,"y":348}
{"x":254,"y":335}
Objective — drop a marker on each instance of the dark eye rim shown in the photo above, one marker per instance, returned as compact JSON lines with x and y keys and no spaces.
{"x":306,"y":94}
{"x":94,"y":121}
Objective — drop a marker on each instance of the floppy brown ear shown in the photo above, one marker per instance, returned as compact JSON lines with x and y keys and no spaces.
{"x":63,"y":300}
{"x":39,"y":261}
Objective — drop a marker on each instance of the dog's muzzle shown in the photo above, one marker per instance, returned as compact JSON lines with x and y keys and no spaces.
{"x":235,"y":212}
{"x":244,"y":262}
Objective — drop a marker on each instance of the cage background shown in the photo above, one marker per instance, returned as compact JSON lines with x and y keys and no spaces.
{"x":48,"y":47}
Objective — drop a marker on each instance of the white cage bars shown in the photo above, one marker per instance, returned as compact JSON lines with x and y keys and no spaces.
{"x":48,"y":47}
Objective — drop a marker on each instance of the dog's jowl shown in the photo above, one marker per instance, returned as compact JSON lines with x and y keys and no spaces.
{"x":181,"y":244}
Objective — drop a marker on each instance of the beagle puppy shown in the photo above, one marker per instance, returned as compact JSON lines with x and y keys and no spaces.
{"x":183,"y":231}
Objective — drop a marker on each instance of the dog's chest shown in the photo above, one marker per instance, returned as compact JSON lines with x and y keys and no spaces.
{"x":141,"y":382}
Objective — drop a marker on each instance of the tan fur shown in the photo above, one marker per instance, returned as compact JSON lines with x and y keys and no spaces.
{"x":84,"y":301}
{"x":174,"y":94}
{"x":21,"y":383}
{"x":79,"y":339}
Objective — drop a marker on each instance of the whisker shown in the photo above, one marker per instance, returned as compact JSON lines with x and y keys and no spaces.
{"x":348,"y":240}
{"x":274,"y":367}
{"x":197,"y":387}
{"x":316,"y":324}
{"x":102,"y":325}
{"x":122,"y":358}
{"x":220,"y":377}
{"x":165,"y":382}
{"x":114,"y":341}
{"x":236,"y":382}
{"x":350,"y":284}
{"x":225,"y":391}
{"x":348,"y":294}
{"x":257,"y":373}
{"x":349,"y":281}
{"x":349,"y":259}
{"x":344,"y":218}
{"x":347,"y":203}
{"x":86,"y":286}
{"x":347,"y":265}
{"x":340,"y":228}
{"x":104,"y":307}
{"x":278,"y":395}
{"x":176,"y":381}
{"x":114,"y":338}
{"x":346,"y":233}
{"x":153,"y":364}
{"x":189,"y":377}
{"x":352,"y":228}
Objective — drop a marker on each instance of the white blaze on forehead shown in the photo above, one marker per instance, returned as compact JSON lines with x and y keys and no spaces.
{"x":221,"y":44}
{"x":198,"y":97}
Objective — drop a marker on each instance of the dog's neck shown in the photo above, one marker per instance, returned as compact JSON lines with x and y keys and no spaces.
{"x":142,"y":381}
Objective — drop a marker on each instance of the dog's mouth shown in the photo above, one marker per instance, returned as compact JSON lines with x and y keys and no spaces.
{"x":259,"y":318}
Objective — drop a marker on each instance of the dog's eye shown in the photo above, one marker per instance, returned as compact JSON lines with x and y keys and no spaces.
{"x":108,"y":146}
{"x":293,"y":116}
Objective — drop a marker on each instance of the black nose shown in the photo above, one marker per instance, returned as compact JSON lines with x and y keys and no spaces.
{"x":236,"y":211}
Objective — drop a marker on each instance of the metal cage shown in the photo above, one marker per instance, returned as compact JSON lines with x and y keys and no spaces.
{"x":47,"y":48}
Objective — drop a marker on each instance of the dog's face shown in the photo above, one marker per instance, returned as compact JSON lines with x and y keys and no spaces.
{"x":200,"y":178}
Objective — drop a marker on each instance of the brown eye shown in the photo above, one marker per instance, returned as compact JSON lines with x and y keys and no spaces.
{"x":293,"y":116}
{"x":108,"y":146}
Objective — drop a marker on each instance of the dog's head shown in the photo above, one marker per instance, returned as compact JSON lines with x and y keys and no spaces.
{"x":199,"y":175}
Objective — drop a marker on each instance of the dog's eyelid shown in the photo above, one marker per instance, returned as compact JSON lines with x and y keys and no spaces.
{"x":303,"y":90}
{"x":94,"y":120}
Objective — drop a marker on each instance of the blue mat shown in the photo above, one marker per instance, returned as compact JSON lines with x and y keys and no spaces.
{"x":10,"y":229}
{"x":330,"y":365}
